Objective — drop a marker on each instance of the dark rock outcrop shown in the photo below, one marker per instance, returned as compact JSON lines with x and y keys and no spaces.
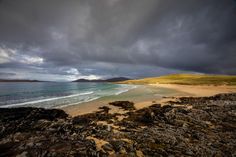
{"x":126,"y":105}
{"x":188,"y":127}
{"x":41,"y":132}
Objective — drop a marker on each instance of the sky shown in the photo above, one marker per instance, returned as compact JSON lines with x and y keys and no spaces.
{"x":63,"y":40}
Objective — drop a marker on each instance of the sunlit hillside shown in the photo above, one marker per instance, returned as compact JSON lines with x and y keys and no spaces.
{"x":187,"y":79}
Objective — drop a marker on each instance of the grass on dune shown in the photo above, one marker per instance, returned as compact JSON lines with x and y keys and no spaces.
{"x":187,"y":79}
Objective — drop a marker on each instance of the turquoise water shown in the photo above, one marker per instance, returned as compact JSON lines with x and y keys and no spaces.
{"x":55,"y":95}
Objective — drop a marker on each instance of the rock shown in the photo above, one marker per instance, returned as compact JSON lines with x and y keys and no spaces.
{"x":23,"y":119}
{"x":107,"y":147}
{"x":147,"y":117}
{"x":18,"y":137}
{"x":105,"y":109}
{"x":117,"y":145}
{"x":189,"y":152}
{"x":126,"y":105}
{"x":10,"y":114}
{"x":23,"y":154}
{"x":207,"y":129}
{"x":81,"y":120}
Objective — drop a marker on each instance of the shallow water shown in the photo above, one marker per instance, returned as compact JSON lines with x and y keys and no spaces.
{"x":55,"y":95}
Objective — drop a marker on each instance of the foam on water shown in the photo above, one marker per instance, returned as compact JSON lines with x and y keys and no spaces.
{"x":56,"y":95}
{"x":62,"y":106}
{"x":44,"y":100}
{"x":125,"y":88}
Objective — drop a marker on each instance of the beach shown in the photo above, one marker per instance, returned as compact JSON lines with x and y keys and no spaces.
{"x":137,"y":120}
{"x":186,"y":126}
{"x":146,"y":95}
{"x":117,"y":78}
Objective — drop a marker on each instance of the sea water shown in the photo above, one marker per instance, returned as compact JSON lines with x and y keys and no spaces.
{"x":55,"y":95}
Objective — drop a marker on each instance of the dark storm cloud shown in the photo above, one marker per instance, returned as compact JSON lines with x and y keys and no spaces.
{"x":6,"y":74}
{"x":106,"y":35}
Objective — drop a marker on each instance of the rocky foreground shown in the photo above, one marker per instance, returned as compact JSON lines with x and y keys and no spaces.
{"x":203,"y":126}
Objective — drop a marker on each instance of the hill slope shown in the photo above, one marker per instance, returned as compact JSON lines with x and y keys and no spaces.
{"x":187,"y":79}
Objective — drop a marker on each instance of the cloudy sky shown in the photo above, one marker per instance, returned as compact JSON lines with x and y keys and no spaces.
{"x":68,"y":39}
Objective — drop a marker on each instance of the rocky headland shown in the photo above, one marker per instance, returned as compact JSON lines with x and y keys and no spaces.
{"x":187,"y":126}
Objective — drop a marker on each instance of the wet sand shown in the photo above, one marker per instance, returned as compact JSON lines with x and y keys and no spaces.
{"x":146,"y":95}
{"x":198,"y":90}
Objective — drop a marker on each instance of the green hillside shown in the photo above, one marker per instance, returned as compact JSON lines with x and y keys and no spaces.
{"x":187,"y":79}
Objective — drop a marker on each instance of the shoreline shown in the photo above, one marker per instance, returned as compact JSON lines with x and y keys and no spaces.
{"x":144,"y":95}
{"x":189,"y":126}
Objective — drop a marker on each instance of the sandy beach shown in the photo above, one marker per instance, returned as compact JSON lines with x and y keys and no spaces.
{"x":148,"y":120}
{"x":188,"y":126}
{"x":198,"y":90}
{"x":146,"y":95}
{"x":141,"y":96}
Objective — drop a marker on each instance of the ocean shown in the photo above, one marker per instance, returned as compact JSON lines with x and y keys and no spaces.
{"x":55,"y":95}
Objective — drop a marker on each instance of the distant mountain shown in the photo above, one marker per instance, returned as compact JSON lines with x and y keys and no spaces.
{"x":115,"y":79}
{"x":4,"y":80}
